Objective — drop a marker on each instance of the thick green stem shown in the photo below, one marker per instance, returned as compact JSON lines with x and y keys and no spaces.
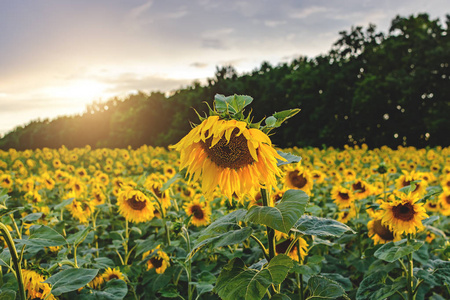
{"x":125,"y":243}
{"x":261,"y":246}
{"x":12,"y":248}
{"x":410,"y":284}
{"x":189,"y":265}
{"x":270,"y":231}
{"x":301,"y":291}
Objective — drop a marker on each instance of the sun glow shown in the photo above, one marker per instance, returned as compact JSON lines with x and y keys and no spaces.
{"x":81,"y":90}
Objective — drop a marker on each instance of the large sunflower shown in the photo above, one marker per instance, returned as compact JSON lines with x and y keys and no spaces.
{"x":134,"y":205}
{"x":404,"y":214}
{"x":229,"y":154}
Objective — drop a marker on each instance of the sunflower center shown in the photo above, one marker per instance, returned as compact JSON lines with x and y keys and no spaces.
{"x":157,"y":192}
{"x":136,"y":204}
{"x":407,"y":183}
{"x":156,"y":262}
{"x":432,"y":205}
{"x":283,"y":246}
{"x":404,"y":212}
{"x":233,"y":154}
{"x":447,"y":199}
{"x":359,"y":187}
{"x":197,"y":212}
{"x":382,"y":231}
{"x":297,"y":179}
{"x":113,"y":276}
{"x":344,"y":196}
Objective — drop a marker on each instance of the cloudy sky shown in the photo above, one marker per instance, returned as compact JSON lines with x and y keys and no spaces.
{"x":56,"y":56}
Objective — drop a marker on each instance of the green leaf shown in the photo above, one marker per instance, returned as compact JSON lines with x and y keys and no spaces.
{"x":438,"y":272}
{"x":79,"y":237}
{"x":280,"y":297}
{"x":231,"y":237}
{"x":324,"y":288}
{"x":290,"y":158}
{"x":7,"y":295}
{"x":373,"y":287}
{"x":239,"y":282}
{"x":64,"y":203}
{"x":172,"y":180}
{"x":345,"y":283}
{"x":32,"y":217}
{"x":70,"y":280}
{"x":223,"y":224}
{"x":311,"y":225}
{"x":284,"y":215}
{"x":5,"y":258}
{"x":392,"y":251}
{"x":231,"y":104}
{"x":8,"y":211}
{"x":145,"y":245}
{"x":115,"y":289}
{"x":284,"y":115}
{"x":44,"y":236}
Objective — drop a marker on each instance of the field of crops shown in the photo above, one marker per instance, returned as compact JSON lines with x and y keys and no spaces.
{"x":151,"y":223}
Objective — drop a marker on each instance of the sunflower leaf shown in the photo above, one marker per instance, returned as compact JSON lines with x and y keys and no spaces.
{"x":311,"y":225}
{"x":392,"y":251}
{"x":115,"y":289}
{"x":43,"y":236}
{"x":283,"y":216}
{"x":236,"y":281}
{"x":70,"y":280}
{"x":290,"y":158}
{"x":324,"y":288}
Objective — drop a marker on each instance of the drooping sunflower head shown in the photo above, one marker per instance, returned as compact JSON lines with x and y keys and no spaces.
{"x":228,"y":154}
{"x":134,"y":205}
{"x":159,"y":260}
{"x":403,"y":214}
{"x":379,"y":233}
{"x":199,"y":211}
{"x":34,"y":285}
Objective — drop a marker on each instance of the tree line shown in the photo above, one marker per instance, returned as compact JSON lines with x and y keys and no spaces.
{"x":371,"y":87}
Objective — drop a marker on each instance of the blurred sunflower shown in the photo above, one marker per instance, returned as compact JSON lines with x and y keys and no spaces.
{"x":96,"y":282}
{"x":342,"y":197}
{"x":347,"y":214}
{"x":134,"y":205}
{"x":229,"y":154}
{"x":407,"y":178}
{"x":444,"y":201}
{"x":35,"y":286}
{"x":111,"y":274}
{"x":403,"y":214}
{"x":282,"y":247}
{"x":361,"y":189}
{"x":199,"y":211}
{"x":299,"y":178}
{"x":379,"y":233}
{"x":159,"y":260}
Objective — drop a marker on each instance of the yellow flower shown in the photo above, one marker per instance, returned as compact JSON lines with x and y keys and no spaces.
{"x":134,"y":205}
{"x":199,"y":211}
{"x":299,"y":178}
{"x":361,"y":189}
{"x":403,"y":214}
{"x":342,"y":197}
{"x":228,"y":154}
{"x":379,"y":233}
{"x":282,"y":247}
{"x":159,"y":260}
{"x":110,"y":274}
{"x":35,"y":287}
{"x":97,"y":282}
{"x":406,"y":179}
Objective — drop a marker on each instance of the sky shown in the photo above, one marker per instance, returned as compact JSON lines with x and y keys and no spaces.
{"x":57,"y":56}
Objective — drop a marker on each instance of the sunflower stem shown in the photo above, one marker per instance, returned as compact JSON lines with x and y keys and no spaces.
{"x":410,"y":286}
{"x":19,"y":234}
{"x":12,"y":248}
{"x":261,"y":245}
{"x":301,"y":291}
{"x":270,"y":231}
{"x":125,"y":242}
{"x":189,"y":266}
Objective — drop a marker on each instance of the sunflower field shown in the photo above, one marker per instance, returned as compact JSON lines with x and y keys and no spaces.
{"x":224,"y":214}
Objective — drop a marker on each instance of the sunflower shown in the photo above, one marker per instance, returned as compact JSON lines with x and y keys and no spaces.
{"x":80,"y":209}
{"x":159,"y":260}
{"x":406,"y":179}
{"x":96,"y":282}
{"x":444,"y":201}
{"x":199,"y":211}
{"x":403,"y":214}
{"x":299,"y":178}
{"x":347,"y":214}
{"x":342,"y":197}
{"x":361,"y":189}
{"x":229,"y":154}
{"x":134,"y":205}
{"x":111,"y":274}
{"x":6,"y":182}
{"x":282,"y":247}
{"x":379,"y":233}
{"x":35,"y":286}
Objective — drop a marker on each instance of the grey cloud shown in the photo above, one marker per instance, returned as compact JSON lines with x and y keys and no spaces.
{"x":198,"y":65}
{"x":213,"y":43}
